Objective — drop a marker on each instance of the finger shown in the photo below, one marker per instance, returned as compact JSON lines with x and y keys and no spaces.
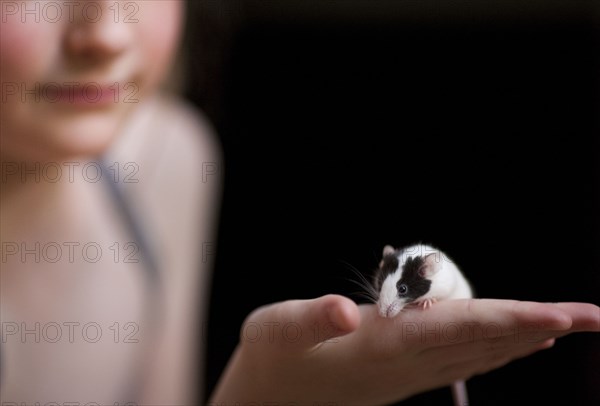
{"x":585,"y":316}
{"x":303,"y":324}
{"x":473,"y":319}
{"x":509,"y":313}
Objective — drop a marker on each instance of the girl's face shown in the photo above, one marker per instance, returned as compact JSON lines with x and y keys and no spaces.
{"x":72,"y":72}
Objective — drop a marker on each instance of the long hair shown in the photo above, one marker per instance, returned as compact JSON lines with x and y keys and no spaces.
{"x":203,"y":59}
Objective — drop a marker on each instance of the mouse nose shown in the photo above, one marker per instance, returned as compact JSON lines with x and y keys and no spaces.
{"x":389,"y":310}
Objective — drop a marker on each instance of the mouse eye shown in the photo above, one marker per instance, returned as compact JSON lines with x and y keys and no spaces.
{"x":402,"y":289}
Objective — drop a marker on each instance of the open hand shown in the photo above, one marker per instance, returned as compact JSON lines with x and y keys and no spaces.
{"x":331,"y":351}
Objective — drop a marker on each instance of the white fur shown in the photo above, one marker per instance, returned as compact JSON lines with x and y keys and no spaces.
{"x":447,"y":282}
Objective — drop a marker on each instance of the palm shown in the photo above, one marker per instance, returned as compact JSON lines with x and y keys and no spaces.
{"x":348,"y":354}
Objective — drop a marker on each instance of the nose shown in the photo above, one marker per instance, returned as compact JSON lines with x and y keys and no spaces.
{"x":97,"y":34}
{"x":390,"y":310}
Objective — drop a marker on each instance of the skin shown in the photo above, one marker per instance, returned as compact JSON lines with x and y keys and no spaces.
{"x":37,"y":130}
{"x":134,"y":55}
{"x":370,"y":360}
{"x":374,"y":360}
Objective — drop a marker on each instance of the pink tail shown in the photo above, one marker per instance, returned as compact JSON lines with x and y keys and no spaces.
{"x":459,"y":393}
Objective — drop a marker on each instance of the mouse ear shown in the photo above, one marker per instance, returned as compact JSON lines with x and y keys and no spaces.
{"x":388,"y":250}
{"x":432,"y":263}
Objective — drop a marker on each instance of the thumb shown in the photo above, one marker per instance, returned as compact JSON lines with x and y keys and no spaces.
{"x":301,"y":324}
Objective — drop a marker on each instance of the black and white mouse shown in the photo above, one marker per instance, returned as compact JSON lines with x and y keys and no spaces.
{"x":419,"y":275}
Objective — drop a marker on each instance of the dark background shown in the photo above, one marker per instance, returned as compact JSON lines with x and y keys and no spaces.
{"x":348,"y":125}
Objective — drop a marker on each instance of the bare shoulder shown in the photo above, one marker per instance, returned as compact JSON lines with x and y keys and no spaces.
{"x":176,"y":156}
{"x":187,"y":176}
{"x":188,"y":133}
{"x":186,"y":141}
{"x":176,"y":194}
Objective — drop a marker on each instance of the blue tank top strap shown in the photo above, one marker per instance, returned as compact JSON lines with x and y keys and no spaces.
{"x":153,"y":295}
{"x":133,"y":225}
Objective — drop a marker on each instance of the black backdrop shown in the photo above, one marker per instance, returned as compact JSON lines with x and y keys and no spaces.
{"x":350,"y":125}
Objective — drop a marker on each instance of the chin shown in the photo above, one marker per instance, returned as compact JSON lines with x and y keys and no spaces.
{"x":60,"y":138}
{"x":85,"y":138}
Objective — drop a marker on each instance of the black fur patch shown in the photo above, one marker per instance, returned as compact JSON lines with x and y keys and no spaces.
{"x":417,"y":284}
{"x":389,"y":266}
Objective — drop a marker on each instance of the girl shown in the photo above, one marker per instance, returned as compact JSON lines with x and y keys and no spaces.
{"x":110,"y":191}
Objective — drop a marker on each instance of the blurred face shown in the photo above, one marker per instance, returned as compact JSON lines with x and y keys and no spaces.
{"x":72,"y":71}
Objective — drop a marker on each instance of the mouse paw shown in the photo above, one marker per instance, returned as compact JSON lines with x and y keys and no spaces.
{"x":427,"y":303}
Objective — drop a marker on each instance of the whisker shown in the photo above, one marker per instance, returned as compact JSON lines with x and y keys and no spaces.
{"x":367,"y":290}
{"x":364,"y":295}
{"x":369,"y":293}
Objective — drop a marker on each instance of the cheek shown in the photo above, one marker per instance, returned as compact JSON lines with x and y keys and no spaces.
{"x":159,"y":35}
{"x":28,"y":49}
